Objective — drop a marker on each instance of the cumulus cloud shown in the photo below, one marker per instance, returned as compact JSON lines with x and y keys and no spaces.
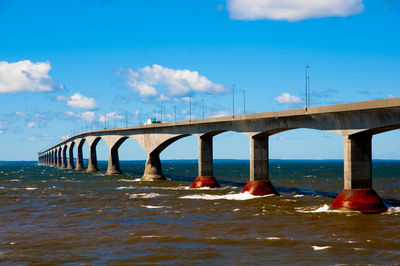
{"x":85,"y":116}
{"x":113,"y":116}
{"x":286,"y":98}
{"x":149,"y":80}
{"x":79,"y":101}
{"x":25,"y":76}
{"x":292,"y":10}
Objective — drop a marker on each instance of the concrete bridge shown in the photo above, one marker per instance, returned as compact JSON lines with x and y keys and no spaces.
{"x":356,"y":122}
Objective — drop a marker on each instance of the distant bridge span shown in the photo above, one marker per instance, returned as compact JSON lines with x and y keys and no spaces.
{"x":356,"y":122}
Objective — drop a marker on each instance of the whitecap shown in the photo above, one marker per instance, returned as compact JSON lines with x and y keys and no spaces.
{"x":298,"y":196}
{"x":235,"y":210}
{"x":15,"y":180}
{"x":151,"y":236}
{"x":236,"y":196}
{"x":320,"y":247}
{"x":144,"y":195}
{"x":119,"y":188}
{"x":31,"y":188}
{"x":392,"y":210}
{"x":154,"y":207}
{"x":130,"y":180}
{"x":324,"y":208}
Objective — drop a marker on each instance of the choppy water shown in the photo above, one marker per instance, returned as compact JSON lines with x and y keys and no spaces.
{"x":50,"y":215}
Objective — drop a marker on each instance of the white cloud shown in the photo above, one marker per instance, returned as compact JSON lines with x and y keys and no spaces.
{"x":25,"y":76}
{"x":292,"y":10}
{"x":390,"y":96}
{"x":85,"y":116}
{"x":221,"y":113}
{"x":32,"y":124}
{"x":34,"y":119}
{"x":111,"y":117}
{"x":286,"y":98}
{"x":79,"y":101}
{"x":175,"y":82}
{"x":43,"y":137}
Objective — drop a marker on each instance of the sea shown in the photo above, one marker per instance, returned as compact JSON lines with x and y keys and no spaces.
{"x":52,"y":216}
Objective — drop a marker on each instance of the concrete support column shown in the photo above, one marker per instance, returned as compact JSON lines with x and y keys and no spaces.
{"x":205,"y":177}
{"x":259,"y":184}
{"x":113,"y":162}
{"x":259,"y":158}
{"x":71,"y":164}
{"x":79,"y":156}
{"x":357,"y":162}
{"x":358,"y":193}
{"x":64,"y":157}
{"x":92,"y":164}
{"x":59,"y":161}
{"x":153,"y":170}
{"x":55,"y":158}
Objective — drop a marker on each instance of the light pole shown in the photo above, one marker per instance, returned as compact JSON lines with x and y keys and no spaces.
{"x":233,"y":100}
{"x":141,"y":114}
{"x":202,"y":101}
{"x":244,"y":102}
{"x":190,"y":108}
{"x":161,"y":113}
{"x":307,"y":89}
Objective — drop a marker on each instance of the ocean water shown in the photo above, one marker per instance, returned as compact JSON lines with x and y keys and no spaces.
{"x":60,"y":216}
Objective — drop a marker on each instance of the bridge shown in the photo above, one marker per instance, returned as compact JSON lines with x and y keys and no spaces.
{"x":356,"y":122}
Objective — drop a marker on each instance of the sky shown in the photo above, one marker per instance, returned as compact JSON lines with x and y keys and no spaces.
{"x":71,"y":66}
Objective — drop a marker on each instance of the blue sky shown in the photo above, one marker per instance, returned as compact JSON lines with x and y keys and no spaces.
{"x":66,"y":64}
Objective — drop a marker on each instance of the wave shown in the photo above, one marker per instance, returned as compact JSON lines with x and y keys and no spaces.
{"x":236,"y":196}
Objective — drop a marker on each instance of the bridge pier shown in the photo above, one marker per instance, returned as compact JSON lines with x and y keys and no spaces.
{"x":59,"y":161}
{"x":64,"y":157}
{"x":205,"y":177}
{"x":153,"y":170}
{"x":259,"y":184}
{"x":79,"y":156}
{"x":71,"y":164}
{"x":113,"y":162}
{"x":92,"y":164}
{"x":358,"y":193}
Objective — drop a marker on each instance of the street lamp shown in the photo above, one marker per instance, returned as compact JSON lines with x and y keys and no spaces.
{"x":202,"y":101}
{"x":233,"y":100}
{"x":307,"y":80}
{"x":190,"y":108}
{"x":244,"y":102}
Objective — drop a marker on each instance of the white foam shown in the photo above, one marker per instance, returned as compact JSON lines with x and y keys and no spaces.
{"x":31,"y":188}
{"x":119,"y":188}
{"x":320,"y":247}
{"x":151,"y":236}
{"x":236,"y":196}
{"x":269,"y":238}
{"x":235,"y":210}
{"x":154,"y":207}
{"x":324,"y":208}
{"x":144,"y":195}
{"x":15,"y":180}
{"x":392,"y":210}
{"x":130,"y":180}
{"x":1,"y":187}
{"x":298,"y":196}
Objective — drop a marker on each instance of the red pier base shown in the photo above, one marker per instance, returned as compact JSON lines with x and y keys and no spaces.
{"x":205,"y":181}
{"x":260,"y":188}
{"x":362,"y":200}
